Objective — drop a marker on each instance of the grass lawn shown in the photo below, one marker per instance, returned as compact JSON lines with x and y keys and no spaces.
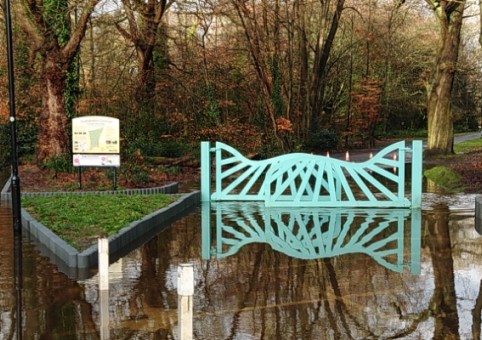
{"x":472,"y":145}
{"x":449,"y":174}
{"x":81,"y":219}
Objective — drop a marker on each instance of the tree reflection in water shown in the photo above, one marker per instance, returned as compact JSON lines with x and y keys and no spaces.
{"x":320,"y":304}
{"x":261,"y":293}
{"x":443,"y":305}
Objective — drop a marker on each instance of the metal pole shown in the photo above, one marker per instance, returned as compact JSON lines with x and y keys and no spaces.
{"x":18,"y":283}
{"x":115,"y":178}
{"x":15,"y":181}
{"x":16,"y":207}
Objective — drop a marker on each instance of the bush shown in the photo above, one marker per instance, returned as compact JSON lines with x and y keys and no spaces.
{"x":322,"y":141}
{"x":26,"y":140}
{"x":421,"y":133}
{"x":59,"y":164}
{"x":133,"y":167}
{"x":445,"y":178}
{"x":173,"y":148}
{"x":159,"y":147}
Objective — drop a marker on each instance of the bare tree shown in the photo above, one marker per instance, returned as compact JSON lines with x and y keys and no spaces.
{"x":290,"y":44}
{"x":143,"y":23}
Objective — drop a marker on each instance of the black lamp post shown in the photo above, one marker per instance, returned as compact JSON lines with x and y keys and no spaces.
{"x":16,"y":206}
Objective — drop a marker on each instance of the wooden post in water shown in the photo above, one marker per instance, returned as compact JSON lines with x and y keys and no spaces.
{"x":103,"y":247}
{"x":185,"y":291}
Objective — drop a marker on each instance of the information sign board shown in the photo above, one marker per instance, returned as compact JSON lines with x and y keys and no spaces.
{"x":96,"y":160}
{"x":95,"y":135}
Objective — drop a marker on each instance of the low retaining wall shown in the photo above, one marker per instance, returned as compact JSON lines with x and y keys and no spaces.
{"x":171,"y":188}
{"x":81,"y":265}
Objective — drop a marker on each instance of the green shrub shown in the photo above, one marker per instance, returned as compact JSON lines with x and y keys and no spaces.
{"x":26,"y":140}
{"x":136,"y":174}
{"x":58,"y":164}
{"x":133,"y":167}
{"x":160,"y":147}
{"x":173,"y":148}
{"x":445,"y":178}
{"x":420,"y":133}
{"x":322,"y":140}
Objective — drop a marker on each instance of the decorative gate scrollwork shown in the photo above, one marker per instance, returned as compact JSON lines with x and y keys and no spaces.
{"x":306,"y":180}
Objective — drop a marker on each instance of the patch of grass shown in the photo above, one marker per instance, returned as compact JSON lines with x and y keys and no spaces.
{"x":473,"y":145}
{"x":81,"y":219}
{"x":405,"y":134}
{"x":445,"y":178}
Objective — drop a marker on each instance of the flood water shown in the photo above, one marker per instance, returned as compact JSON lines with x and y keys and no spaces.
{"x":270,"y":275}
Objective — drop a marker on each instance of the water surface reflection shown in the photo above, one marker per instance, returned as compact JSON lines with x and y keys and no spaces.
{"x":314,"y":233}
{"x":261,"y":293}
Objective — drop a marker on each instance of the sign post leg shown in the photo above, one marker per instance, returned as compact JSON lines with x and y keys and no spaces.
{"x":115,"y":178}
{"x":79,"y":175}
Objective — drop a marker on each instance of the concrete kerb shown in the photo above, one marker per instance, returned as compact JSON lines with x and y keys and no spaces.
{"x":137,"y":230}
{"x":70,"y":261}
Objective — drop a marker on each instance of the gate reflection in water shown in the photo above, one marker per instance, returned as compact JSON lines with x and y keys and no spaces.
{"x":315,"y":233}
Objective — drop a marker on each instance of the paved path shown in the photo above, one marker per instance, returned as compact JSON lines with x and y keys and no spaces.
{"x":363,"y":155}
{"x":469,"y":136}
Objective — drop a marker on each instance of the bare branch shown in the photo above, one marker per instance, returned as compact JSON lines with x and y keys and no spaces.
{"x":72,"y":45}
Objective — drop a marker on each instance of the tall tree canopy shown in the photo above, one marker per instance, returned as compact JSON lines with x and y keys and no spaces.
{"x":285,"y":73}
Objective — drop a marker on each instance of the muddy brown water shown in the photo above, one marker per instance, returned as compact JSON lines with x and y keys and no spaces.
{"x":259,"y":292}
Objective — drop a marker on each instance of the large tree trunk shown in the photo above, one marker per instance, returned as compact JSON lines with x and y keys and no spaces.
{"x":440,"y":120}
{"x":53,"y":139}
{"x":57,"y":40}
{"x":322,"y":54}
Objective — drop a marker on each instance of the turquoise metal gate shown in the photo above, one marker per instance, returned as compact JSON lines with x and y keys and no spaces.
{"x":306,"y":180}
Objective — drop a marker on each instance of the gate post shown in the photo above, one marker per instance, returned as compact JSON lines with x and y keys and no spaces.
{"x":205,"y":172}
{"x":417,"y":174}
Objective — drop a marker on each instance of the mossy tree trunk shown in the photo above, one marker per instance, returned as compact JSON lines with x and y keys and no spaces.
{"x":440,"y":121}
{"x":53,"y":123}
{"x":56,"y":40}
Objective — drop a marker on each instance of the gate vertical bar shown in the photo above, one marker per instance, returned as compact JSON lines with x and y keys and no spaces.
{"x":219,"y":230}
{"x":401,"y":173}
{"x":400,"y":239}
{"x":206,"y":230}
{"x":415,"y":241}
{"x":205,"y":172}
{"x":219,"y":170}
{"x":417,"y":174}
